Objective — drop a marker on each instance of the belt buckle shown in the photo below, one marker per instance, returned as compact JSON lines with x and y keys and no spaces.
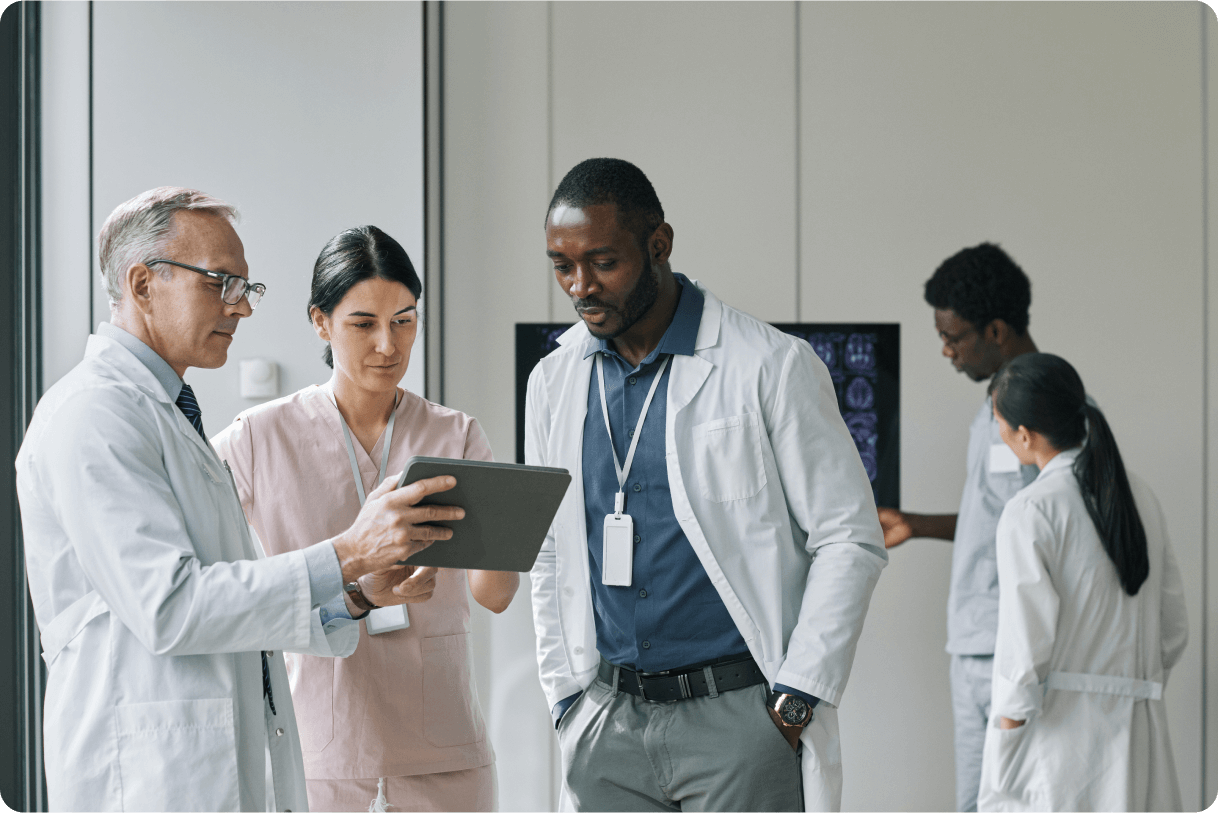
{"x":638,"y":676}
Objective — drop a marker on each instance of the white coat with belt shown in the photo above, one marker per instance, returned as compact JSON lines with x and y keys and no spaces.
{"x":1080,"y":659}
{"x":153,"y":603}
{"x":769,"y":489}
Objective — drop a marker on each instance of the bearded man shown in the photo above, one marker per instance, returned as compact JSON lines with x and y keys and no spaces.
{"x":700,"y":595}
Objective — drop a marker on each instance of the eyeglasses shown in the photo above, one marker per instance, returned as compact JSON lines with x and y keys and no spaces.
{"x":232,"y":287}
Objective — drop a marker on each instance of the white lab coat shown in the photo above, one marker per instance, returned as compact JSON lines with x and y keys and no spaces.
{"x":1081,"y":660}
{"x":767,"y":485}
{"x":153,"y":602}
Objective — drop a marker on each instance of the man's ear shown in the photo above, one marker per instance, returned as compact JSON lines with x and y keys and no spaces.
{"x":999,"y":332}
{"x":659,"y":245}
{"x":319,"y":323}
{"x":139,"y":287}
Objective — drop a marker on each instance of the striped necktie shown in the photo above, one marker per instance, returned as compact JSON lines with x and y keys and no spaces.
{"x":190,"y":408}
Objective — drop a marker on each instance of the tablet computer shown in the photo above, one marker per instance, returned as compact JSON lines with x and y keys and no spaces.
{"x":508,"y":510}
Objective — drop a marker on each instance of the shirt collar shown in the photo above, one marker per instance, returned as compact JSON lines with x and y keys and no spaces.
{"x":1061,"y":460}
{"x":147,"y":356}
{"x":681,"y":336}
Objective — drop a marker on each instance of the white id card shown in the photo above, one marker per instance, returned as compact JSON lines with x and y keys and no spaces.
{"x":1002,"y":459}
{"x":387,"y":619}
{"x":617,"y":561}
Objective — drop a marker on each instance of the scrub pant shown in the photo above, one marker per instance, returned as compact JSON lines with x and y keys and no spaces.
{"x":471,"y":789}
{"x":970,"y":677}
{"x":620,"y":752}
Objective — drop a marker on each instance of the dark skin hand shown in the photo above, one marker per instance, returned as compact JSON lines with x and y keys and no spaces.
{"x":602,"y":267}
{"x":900,"y":526}
{"x":978,"y":352}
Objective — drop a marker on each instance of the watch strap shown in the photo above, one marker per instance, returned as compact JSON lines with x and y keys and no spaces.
{"x":356,"y":594}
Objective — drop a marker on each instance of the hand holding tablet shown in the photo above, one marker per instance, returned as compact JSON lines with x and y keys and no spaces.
{"x":508,"y":510}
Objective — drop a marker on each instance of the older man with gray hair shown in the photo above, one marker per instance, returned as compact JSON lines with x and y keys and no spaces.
{"x":162,"y":622}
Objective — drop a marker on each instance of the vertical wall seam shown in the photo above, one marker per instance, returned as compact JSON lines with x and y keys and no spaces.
{"x":441,"y":214}
{"x":799,"y":224}
{"x":89,"y":232}
{"x":549,"y":131}
{"x":555,"y":758}
{"x":435,"y":321}
{"x":428,"y":275}
{"x":29,"y":364}
{"x":1205,"y":395}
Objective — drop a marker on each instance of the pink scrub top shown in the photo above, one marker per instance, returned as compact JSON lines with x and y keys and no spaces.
{"x":405,"y":702}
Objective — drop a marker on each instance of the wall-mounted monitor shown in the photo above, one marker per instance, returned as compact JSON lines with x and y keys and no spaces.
{"x":863,"y":360}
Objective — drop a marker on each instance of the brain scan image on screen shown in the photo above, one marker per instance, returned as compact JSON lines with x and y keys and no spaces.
{"x":860,"y":352}
{"x":824,"y":348}
{"x":860,"y":395}
{"x":863,"y":428}
{"x":862,"y":360}
{"x":863,"y":363}
{"x":550,"y":339}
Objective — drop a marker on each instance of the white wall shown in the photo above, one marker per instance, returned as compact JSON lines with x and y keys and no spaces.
{"x":1210,"y":505}
{"x":818,"y":163}
{"x":67,"y":235}
{"x":496,"y":191}
{"x":307,"y":116}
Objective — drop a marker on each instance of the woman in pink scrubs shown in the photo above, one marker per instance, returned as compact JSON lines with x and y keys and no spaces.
{"x":397,"y":724}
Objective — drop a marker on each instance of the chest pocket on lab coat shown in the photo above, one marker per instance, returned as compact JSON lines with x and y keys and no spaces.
{"x":218,"y":525}
{"x":727,"y":458}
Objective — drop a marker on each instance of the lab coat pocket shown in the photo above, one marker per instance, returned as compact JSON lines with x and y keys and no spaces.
{"x":177,"y":755}
{"x":727,"y":457}
{"x":449,"y":715}
{"x":1006,"y":766}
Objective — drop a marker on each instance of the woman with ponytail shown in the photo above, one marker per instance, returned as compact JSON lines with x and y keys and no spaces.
{"x":1091,"y":612}
{"x":396,"y":725}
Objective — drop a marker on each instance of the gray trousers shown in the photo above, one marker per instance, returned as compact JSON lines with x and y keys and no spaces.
{"x":620,"y":752}
{"x":970,"y":677}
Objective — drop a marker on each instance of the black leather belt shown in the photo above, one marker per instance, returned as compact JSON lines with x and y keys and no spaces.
{"x":678,"y":684}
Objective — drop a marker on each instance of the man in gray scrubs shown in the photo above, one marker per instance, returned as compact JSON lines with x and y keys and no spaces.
{"x":981,"y":300}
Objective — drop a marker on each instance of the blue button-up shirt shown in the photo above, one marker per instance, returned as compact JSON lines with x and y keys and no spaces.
{"x":671,"y":615}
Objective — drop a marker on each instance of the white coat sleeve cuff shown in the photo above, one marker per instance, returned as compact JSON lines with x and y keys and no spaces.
{"x":1018,"y":701}
{"x":824,"y":693}
{"x":325,"y":574}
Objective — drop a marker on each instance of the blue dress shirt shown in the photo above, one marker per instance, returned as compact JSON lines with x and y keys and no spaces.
{"x":671,"y":615}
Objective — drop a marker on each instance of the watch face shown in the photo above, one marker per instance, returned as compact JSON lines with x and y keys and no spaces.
{"x":794,"y":711}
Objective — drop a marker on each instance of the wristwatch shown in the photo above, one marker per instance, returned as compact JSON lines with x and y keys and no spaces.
{"x":356,"y":594}
{"x":790,"y":713}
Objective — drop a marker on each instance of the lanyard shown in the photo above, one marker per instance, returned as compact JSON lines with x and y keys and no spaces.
{"x":359,"y":481}
{"x":619,"y":501}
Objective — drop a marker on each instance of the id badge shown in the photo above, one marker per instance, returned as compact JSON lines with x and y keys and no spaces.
{"x":387,"y":619}
{"x":617,"y":561}
{"x":1003,"y":460}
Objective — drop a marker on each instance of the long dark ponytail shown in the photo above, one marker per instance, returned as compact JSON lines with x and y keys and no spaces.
{"x":1043,"y":393}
